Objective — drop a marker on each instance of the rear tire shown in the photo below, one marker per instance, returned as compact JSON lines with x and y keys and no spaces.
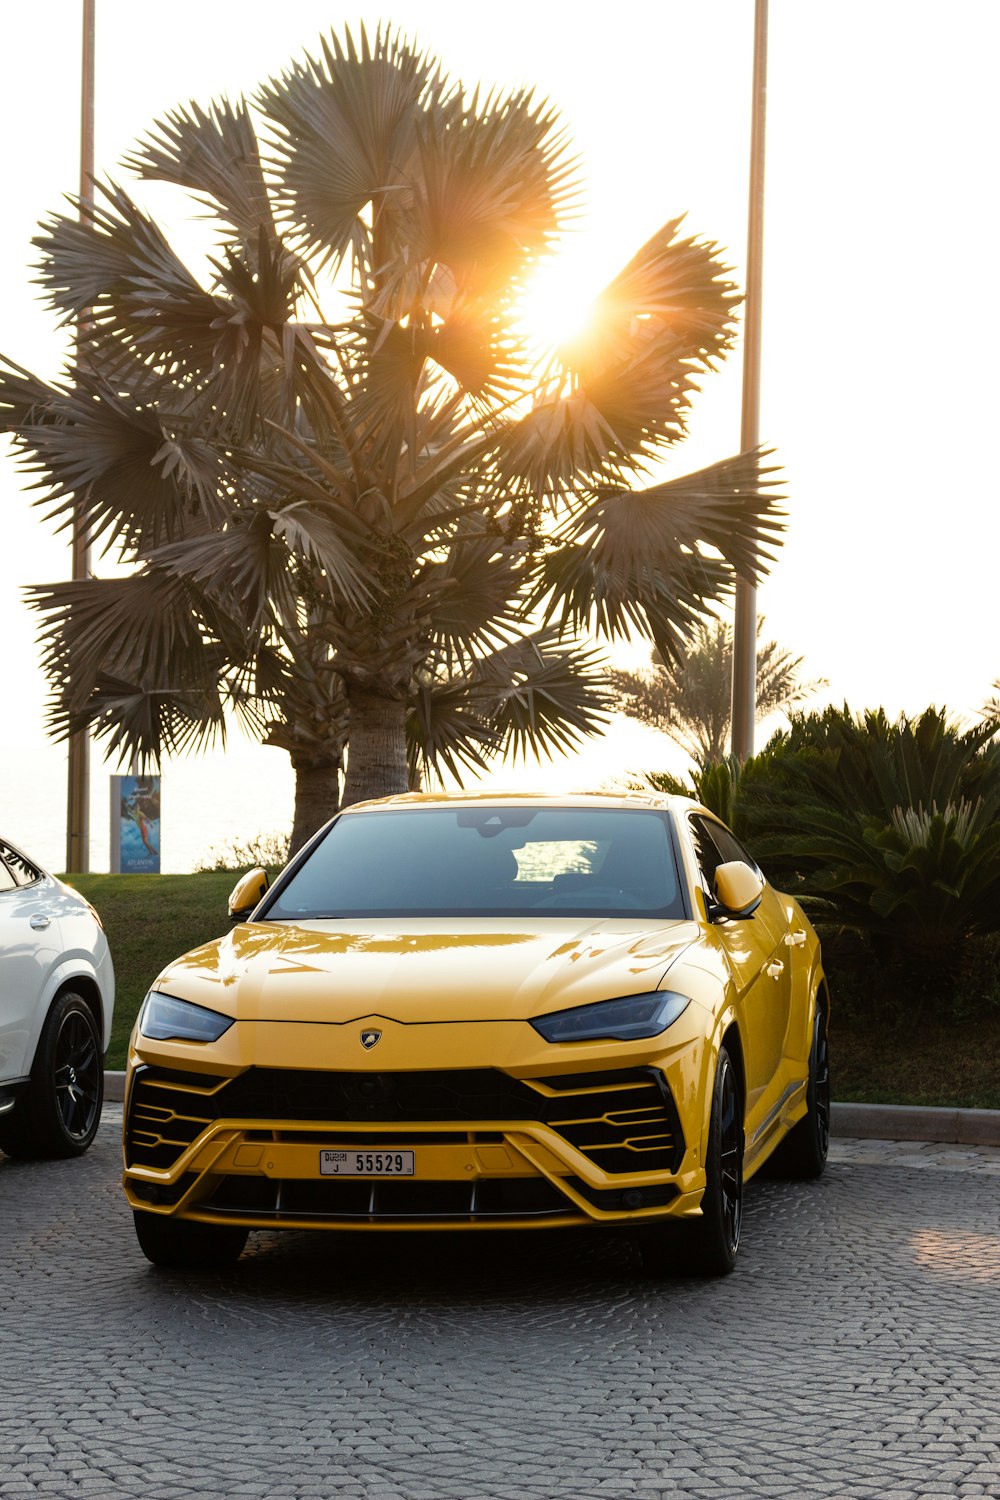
{"x":183,"y":1245}
{"x":803,"y":1152}
{"x":60,"y":1111}
{"x":708,"y":1246}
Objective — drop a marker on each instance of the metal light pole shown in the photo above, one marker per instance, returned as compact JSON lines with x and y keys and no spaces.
{"x":78,"y":789}
{"x":745,"y":623}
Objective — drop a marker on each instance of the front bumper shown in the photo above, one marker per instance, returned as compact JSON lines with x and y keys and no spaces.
{"x":491,"y":1150}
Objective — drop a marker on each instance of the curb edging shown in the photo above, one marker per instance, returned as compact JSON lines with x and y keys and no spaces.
{"x":876,"y":1122}
{"x":916,"y":1122}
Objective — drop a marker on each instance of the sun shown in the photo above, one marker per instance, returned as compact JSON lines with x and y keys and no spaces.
{"x":556,"y":308}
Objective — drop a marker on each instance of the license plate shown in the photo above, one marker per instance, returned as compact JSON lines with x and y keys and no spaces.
{"x":366,"y":1163}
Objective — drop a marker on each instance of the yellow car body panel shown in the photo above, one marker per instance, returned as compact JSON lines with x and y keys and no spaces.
{"x":409,"y":1034}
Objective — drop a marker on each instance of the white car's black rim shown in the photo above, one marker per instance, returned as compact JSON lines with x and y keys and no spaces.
{"x":730,"y":1156}
{"x":77,"y":1075}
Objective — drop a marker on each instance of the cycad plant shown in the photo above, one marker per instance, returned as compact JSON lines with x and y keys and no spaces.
{"x":891,"y":828}
{"x":355,"y":505}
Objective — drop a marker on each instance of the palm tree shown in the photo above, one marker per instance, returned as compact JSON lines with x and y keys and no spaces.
{"x":354,"y":502}
{"x":689,"y":697}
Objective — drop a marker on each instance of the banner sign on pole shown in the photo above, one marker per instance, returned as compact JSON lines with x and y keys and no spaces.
{"x":135,"y":825}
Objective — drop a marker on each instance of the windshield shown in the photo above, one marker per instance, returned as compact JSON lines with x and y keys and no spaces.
{"x":488,"y":861}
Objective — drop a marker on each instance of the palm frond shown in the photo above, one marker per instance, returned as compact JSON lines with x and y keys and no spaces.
{"x":635,"y":559}
{"x":472,"y":596}
{"x":343,"y":125}
{"x":627,"y":382}
{"x":245,"y":564}
{"x":444,"y":732}
{"x":117,"y":262}
{"x":24,"y":398}
{"x":151,"y":323}
{"x":543,"y":695}
{"x":674,"y":297}
{"x":144,"y":627}
{"x":491,"y":186}
{"x":114,"y":465}
{"x":214,"y":153}
{"x":140,"y":725}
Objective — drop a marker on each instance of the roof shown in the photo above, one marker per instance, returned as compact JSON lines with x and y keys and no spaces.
{"x":521,"y":799}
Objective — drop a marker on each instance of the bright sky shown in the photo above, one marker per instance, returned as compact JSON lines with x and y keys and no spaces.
{"x":880,"y":385}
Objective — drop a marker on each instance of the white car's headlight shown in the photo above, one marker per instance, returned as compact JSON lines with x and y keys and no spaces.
{"x":165,"y":1019}
{"x":626,"y":1020}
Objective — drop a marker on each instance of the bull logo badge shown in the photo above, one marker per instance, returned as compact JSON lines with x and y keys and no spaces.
{"x":369,"y":1039}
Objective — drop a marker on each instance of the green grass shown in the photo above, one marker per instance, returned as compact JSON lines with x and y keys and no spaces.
{"x":954,"y":1064}
{"x":149,"y":920}
{"x":880,"y":1054}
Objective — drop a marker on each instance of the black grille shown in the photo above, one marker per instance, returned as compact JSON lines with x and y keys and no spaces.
{"x":623,"y":1121}
{"x":455,"y":1202}
{"x":454,"y":1094}
{"x":167,"y":1111}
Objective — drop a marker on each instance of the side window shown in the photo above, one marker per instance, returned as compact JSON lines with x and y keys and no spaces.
{"x":715,"y":846}
{"x":7,"y":881}
{"x":730,"y":848}
{"x":20,"y":871}
{"x":708,"y":855}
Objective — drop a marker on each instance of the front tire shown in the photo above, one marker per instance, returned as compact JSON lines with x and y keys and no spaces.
{"x":184,"y":1245}
{"x":708,"y":1246}
{"x":59,"y":1113}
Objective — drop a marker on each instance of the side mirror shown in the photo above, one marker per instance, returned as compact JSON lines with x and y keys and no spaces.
{"x":738,"y":889}
{"x":247,"y":894}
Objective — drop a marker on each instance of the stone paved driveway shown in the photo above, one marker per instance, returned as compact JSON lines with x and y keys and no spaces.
{"x":855,"y":1352}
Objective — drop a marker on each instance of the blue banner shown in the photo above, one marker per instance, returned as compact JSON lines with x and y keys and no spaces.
{"x":135,"y":825}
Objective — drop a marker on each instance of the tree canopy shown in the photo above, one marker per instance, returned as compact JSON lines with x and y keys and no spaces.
{"x":689,"y":696}
{"x":354,"y":503}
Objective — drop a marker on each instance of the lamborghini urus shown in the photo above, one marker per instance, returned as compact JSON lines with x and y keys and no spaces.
{"x":483,"y":1012}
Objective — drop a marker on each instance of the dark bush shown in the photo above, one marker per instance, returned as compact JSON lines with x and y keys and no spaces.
{"x":888,"y":829}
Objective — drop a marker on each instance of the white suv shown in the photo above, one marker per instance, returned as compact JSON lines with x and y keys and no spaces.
{"x":57,"y":990}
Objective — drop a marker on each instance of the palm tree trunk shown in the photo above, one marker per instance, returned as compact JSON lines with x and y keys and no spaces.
{"x":376,"y":751}
{"x":317,"y":798}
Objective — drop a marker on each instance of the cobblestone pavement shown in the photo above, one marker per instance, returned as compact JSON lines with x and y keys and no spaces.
{"x":852,"y":1353}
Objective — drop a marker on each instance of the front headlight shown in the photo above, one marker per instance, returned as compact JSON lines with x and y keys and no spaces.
{"x":626,"y":1020}
{"x":164,"y":1019}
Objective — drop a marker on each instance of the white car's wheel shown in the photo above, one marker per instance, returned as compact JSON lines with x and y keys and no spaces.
{"x":60,"y":1111}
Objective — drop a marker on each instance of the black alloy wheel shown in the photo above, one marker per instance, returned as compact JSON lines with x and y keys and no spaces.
{"x":59,"y":1113}
{"x":708,"y":1246}
{"x":722,"y":1205}
{"x":803,"y":1152}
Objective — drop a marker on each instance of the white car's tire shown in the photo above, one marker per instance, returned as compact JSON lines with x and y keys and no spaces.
{"x":59,"y":1112}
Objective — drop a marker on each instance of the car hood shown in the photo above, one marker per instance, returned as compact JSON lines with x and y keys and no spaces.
{"x":424,"y":971}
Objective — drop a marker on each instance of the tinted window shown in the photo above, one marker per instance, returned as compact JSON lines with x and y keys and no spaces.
{"x":488,"y":861}
{"x":715,"y":846}
{"x":15,"y":869}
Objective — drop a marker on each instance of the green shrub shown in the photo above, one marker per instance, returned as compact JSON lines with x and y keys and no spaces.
{"x":888,"y":829}
{"x":891,"y":829}
{"x":270,"y":850}
{"x":716,"y":786}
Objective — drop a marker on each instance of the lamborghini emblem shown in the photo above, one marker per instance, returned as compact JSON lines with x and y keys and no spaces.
{"x":369,"y":1038}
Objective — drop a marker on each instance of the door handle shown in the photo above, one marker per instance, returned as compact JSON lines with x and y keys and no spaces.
{"x":795,"y":939}
{"x":775,"y":968}
{"x":39,"y":921}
